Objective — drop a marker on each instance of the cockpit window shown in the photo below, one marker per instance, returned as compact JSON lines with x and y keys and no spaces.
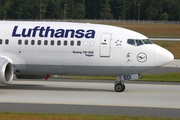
{"x":139,"y":42}
{"x":147,"y":41}
{"x":131,"y":42}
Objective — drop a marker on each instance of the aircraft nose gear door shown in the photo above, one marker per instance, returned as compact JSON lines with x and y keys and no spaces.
{"x":105,"y":45}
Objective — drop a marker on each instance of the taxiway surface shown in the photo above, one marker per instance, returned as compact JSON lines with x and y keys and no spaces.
{"x":91,"y":97}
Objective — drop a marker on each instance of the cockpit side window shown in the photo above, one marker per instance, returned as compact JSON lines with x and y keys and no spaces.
{"x":131,"y":42}
{"x":139,"y":42}
{"x":147,"y":41}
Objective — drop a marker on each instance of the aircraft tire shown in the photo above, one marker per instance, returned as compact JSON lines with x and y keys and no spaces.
{"x":119,"y":87}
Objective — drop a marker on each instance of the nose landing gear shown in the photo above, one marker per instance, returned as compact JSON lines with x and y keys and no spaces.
{"x":119,"y":85}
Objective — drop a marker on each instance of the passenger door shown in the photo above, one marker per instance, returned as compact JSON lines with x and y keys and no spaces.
{"x":105,"y":45}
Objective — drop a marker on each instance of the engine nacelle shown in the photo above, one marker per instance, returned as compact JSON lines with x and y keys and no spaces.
{"x":6,"y":71}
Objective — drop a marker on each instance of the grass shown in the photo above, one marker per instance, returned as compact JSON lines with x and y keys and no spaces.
{"x":30,"y":116}
{"x":88,"y":77}
{"x":152,"y":30}
{"x":171,"y":77}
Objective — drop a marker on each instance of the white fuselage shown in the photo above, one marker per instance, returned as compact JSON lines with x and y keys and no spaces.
{"x":59,"y":48}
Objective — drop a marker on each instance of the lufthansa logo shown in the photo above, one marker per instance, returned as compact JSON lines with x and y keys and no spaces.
{"x":42,"y":31}
{"x":141,"y":57}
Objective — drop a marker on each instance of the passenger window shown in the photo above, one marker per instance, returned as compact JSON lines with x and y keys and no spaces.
{"x":6,"y":41}
{"x":19,"y":42}
{"x":45,"y":42}
{"x":85,"y":43}
{"x":26,"y":42}
{"x":32,"y":42}
{"x":39,"y":42}
{"x":131,"y":42}
{"x":72,"y":43}
{"x":1,"y":41}
{"x":58,"y":42}
{"x":78,"y":43}
{"x":139,"y":42}
{"x":52,"y":42}
{"x":92,"y":43}
{"x":65,"y":42}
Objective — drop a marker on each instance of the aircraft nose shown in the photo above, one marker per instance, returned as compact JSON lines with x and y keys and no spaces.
{"x":162,"y":56}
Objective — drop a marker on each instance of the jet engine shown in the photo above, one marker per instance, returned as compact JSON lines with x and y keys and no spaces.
{"x":6,"y":71}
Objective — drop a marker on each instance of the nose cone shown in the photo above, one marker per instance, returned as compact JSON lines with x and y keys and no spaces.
{"x":162,"y":56}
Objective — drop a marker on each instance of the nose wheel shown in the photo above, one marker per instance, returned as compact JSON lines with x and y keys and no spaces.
{"x":119,"y":87}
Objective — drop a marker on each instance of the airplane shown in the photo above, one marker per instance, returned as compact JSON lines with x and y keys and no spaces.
{"x":65,"y":48}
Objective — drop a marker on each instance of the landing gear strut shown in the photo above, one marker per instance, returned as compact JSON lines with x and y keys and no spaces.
{"x":119,"y":86}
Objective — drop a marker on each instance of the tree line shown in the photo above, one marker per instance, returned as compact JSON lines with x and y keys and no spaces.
{"x":91,"y":9}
